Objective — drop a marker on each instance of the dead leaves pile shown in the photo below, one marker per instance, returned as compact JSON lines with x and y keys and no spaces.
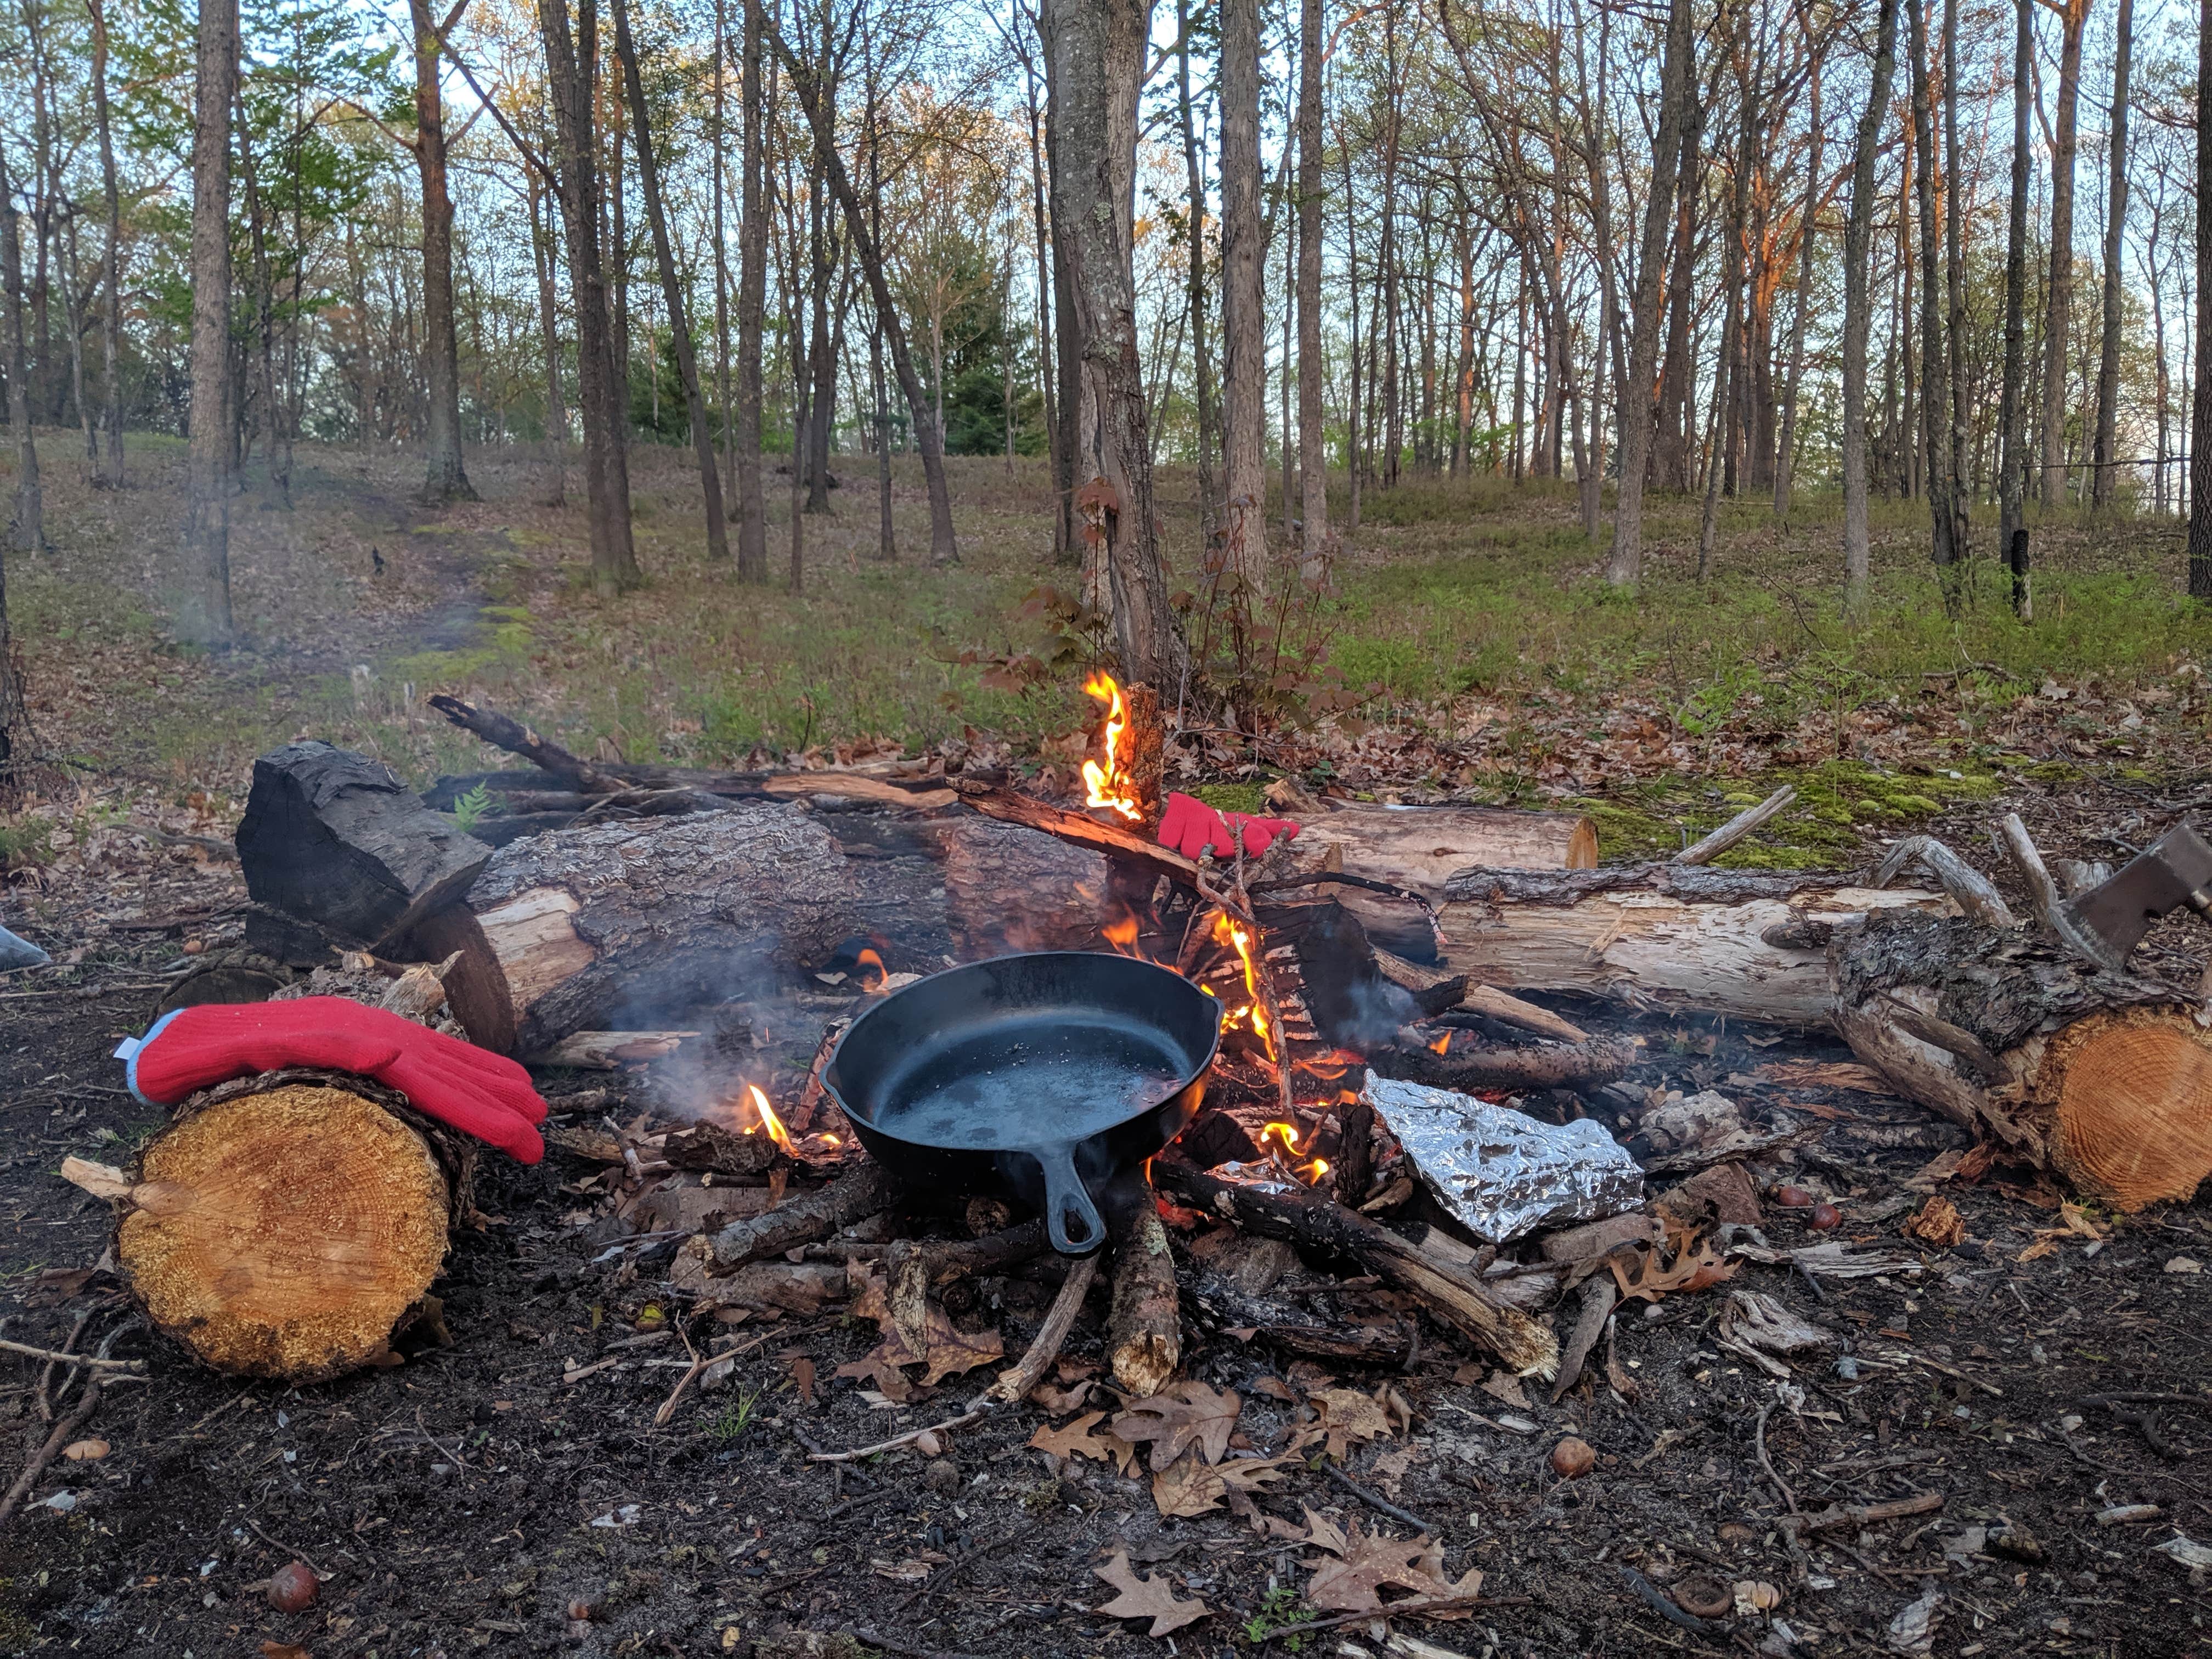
{"x":1686,"y":1260}
{"x":2075,"y":1224}
{"x":931,"y":1340}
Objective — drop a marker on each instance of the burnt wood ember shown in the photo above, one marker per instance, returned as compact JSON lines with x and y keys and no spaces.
{"x":333,"y":838}
{"x":1453,"y":1295}
{"x":2104,"y":1078}
{"x":1532,"y":1065}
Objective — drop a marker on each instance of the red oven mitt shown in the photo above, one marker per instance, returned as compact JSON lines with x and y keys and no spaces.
{"x":1189,"y":825}
{"x":468,"y":1088}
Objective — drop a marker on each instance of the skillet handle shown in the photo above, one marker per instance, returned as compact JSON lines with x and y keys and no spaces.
{"x":1065,"y":1194}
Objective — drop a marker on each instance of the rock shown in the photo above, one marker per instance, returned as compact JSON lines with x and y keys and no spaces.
{"x":1725,"y":1187}
{"x":2012,"y":1539}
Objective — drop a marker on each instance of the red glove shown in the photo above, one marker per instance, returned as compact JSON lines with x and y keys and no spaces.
{"x":1189,"y":825}
{"x":471,"y":1089}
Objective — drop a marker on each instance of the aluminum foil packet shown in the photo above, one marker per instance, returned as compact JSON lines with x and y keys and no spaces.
{"x":1500,"y":1172}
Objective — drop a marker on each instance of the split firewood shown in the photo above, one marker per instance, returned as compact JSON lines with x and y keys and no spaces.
{"x":1447,"y":1290}
{"x":561,"y":929}
{"x":334,"y":838}
{"x":1143,"y":1334}
{"x":288,"y":1225}
{"x":1423,"y":846}
{"x":861,"y":1191}
{"x":2104,"y":1078}
{"x":1665,"y":935}
{"x":603,"y":1051}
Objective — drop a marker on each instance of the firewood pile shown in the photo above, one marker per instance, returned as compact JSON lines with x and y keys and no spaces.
{"x":702,"y":939}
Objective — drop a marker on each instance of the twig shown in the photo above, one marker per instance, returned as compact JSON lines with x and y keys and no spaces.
{"x":1013,"y":1387}
{"x":944,"y":1580}
{"x":62,"y":1356}
{"x":1419,"y":1608}
{"x":1711,"y":847}
{"x":1969,"y":890}
{"x":1375,"y":1502}
{"x":64,"y":1433}
{"x":1667,"y":1607}
{"x":299,"y":1555}
{"x":872,"y":1637}
{"x":974,"y":1413}
{"x":699,"y":1363}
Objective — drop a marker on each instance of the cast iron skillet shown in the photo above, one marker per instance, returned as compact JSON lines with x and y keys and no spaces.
{"x":1077,"y":1061}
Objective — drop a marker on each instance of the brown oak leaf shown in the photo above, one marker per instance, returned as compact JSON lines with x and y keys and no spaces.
{"x":1187,"y":1413}
{"x":1346,"y":1415}
{"x":1153,"y":1598}
{"x":1191,"y":1486}
{"x":877,"y":1367}
{"x":946,"y":1348}
{"x":1352,"y":1577}
{"x":1684,"y":1262}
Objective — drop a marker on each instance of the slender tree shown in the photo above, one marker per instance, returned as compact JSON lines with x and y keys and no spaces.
{"x":1194,"y":210}
{"x":1313,"y":437}
{"x":752,"y":300}
{"x":1785,"y":467}
{"x":28,"y":522}
{"x":1625,"y":566}
{"x":2073,"y":16}
{"x":2104,"y":479}
{"x":1935,"y":394}
{"x":444,"y":478}
{"x":1244,"y":326}
{"x":2200,"y":412}
{"x":2012,"y":423}
{"x":202,"y":610}
{"x":1858,"y":244}
{"x":110,"y":473}
{"x":672,"y":288}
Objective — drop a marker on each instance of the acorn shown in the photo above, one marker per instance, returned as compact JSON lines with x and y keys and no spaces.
{"x":1792,"y":1197}
{"x":1572,"y":1459}
{"x":1824,"y":1217}
{"x":293,"y":1588}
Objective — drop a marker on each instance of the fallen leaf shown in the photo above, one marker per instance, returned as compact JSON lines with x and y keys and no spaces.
{"x":1684,"y":1262}
{"x":877,"y":1365}
{"x":283,"y":1651}
{"x":946,"y":1350}
{"x":85,"y":1451}
{"x":1151,"y":1598}
{"x":1937,"y":1223}
{"x":1352,"y":1579}
{"x":1185,"y":1413}
{"x":1191,"y":1486}
{"x":1058,"y":1401}
{"x":802,"y":1376}
{"x":1346,"y":1415}
{"x":1505,"y":1389}
{"x":2184,"y":1264}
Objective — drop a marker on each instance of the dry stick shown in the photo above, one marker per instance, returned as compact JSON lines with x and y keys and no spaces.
{"x":1865,"y":1515}
{"x":860,"y":1191}
{"x":497,"y":730}
{"x":1378,"y":1503}
{"x":41,"y":1397}
{"x":1801,"y":1562}
{"x":1969,"y":890}
{"x":2012,"y":838}
{"x":1421,"y":1607}
{"x":1042,"y":1352}
{"x":1712,"y":846}
{"x":64,"y":1431}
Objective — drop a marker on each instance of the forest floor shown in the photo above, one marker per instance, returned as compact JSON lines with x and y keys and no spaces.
{"x":462,"y":1501}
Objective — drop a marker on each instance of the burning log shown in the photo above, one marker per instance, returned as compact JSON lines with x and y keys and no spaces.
{"x":1750,"y":943}
{"x":288,"y":1225}
{"x":561,"y":930}
{"x":2104,"y":1078}
{"x":1143,"y":1333}
{"x":1313,"y":1223}
{"x":334,"y":838}
{"x":1479,"y":1065}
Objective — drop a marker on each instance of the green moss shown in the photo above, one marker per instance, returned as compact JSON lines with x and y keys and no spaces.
{"x":1233,"y":797}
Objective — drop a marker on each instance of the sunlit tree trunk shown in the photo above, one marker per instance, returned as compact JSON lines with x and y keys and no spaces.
{"x":1785,"y":460}
{"x":2105,"y":477}
{"x":444,"y":478}
{"x":1244,"y":375}
{"x":1858,"y":246}
{"x":2012,"y":423}
{"x":2073,"y":16}
{"x":753,"y":292}
{"x":1935,"y":396}
{"x":2200,"y":414}
{"x":28,"y":522}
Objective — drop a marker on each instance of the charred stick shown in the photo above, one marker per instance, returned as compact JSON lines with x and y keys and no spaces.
{"x":1374,"y":1501}
{"x":1143,"y":1334}
{"x":501,"y":732}
{"x":1301,"y":1218}
{"x":1540,"y":1065}
{"x":860,"y":1191}
{"x":63,"y":1356}
{"x":1865,"y":1515}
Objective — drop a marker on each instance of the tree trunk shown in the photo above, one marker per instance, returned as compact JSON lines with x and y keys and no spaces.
{"x":1956,"y":412}
{"x":1935,"y":410}
{"x":1055,"y":430}
{"x":571,"y":68}
{"x":1245,"y":371}
{"x":203,"y":615}
{"x":944,"y":545}
{"x":2106,"y":477}
{"x":2012,"y":423}
{"x":672,"y":289}
{"x":111,"y":465}
{"x":1785,"y":460}
{"x":2075,"y":16}
{"x":1858,"y":248}
{"x":886,"y":536}
{"x":28,"y":524}
{"x":726,"y":432}
{"x":544,"y":260}
{"x":1209,"y":501}
{"x":445,"y":478}
{"x":1625,"y":566}
{"x":752,"y":288}
{"x":1094,"y":56}
{"x":2104,"y":1078}
{"x":2200,"y":411}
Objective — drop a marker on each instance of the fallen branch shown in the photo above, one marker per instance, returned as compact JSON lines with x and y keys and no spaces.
{"x":1011,"y":806}
{"x":501,"y":732}
{"x":1864,"y":1515}
{"x":2012,"y":838}
{"x":64,"y":1431}
{"x":1527,"y":1347}
{"x":1143,"y":1334}
{"x":860,"y":1191}
{"x":1969,"y":890}
{"x":1737,"y":829}
{"x":57,"y":1355}
{"x":1540,"y":1065}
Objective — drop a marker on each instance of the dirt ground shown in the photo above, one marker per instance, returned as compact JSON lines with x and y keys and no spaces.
{"x":471,"y":1501}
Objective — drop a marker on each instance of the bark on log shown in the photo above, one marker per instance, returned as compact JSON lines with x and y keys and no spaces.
{"x":2104,"y":1078}
{"x":1665,"y":936}
{"x":290,"y":1225}
{"x":1423,"y":846}
{"x":334,"y":838}
{"x":563,"y":931}
{"x":859,"y":1192}
{"x":1144,"y":1332}
{"x":1535,"y":1065}
{"x":1449,"y":1293}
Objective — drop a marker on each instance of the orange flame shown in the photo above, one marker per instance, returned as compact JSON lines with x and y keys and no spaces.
{"x":768,"y":1120}
{"x":1286,"y":1133}
{"x":1108,"y":786}
{"x":1122,"y":934}
{"x":1226,"y":931}
{"x":1316,"y":1172}
{"x":1442,"y":1045}
{"x":869,"y":959}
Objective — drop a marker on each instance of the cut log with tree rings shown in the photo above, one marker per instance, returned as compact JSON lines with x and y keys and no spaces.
{"x":290,"y":1225}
